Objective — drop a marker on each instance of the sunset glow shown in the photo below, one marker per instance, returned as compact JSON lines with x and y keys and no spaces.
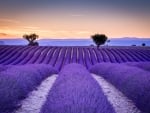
{"x":78,"y":19}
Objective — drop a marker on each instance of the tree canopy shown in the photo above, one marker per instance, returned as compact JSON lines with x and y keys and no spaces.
{"x":31,"y":38}
{"x":99,"y":39}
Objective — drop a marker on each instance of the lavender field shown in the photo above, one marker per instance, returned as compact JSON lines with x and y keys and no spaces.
{"x":74,"y":89}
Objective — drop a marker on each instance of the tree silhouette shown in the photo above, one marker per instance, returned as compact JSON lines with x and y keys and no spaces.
{"x":143,"y":44}
{"x":99,"y":39}
{"x":31,"y":39}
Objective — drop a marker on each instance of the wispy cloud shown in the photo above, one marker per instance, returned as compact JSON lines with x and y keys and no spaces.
{"x":31,"y":27}
{"x":5,"y":35}
{"x":34,"y":29}
{"x":77,"y":15}
{"x":9,"y":20}
{"x":9,"y":23}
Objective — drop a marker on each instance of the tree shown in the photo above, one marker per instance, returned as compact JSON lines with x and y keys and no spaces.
{"x":143,"y":44}
{"x":31,"y":39}
{"x":99,"y":39}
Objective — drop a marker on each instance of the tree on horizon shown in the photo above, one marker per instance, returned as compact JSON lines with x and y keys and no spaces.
{"x":143,"y":44}
{"x":31,"y":39}
{"x":99,"y":39}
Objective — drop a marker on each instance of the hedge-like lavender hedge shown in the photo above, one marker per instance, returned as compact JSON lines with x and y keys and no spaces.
{"x":75,"y":91}
{"x":132,"y":81}
{"x":16,"y":82}
{"x":142,"y":65}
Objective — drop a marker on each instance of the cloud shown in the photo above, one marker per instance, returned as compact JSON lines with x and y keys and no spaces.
{"x":30,"y":27}
{"x":5,"y":35}
{"x":9,"y":23}
{"x":9,"y":20}
{"x":34,"y":29}
{"x":77,"y":15}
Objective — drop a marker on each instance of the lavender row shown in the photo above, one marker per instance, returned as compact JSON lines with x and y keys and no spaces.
{"x":142,"y":65}
{"x":4,"y":67}
{"x":75,"y":91}
{"x":60,"y":56}
{"x":132,"y":81}
{"x":17,"y":81}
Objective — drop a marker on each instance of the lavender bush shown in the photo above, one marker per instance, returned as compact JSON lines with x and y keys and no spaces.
{"x":36,"y":55}
{"x":68,"y":57}
{"x":43,"y":55}
{"x":49,"y":55}
{"x":12,"y":57}
{"x":132,"y":81}
{"x":6,"y":52}
{"x":75,"y":91}
{"x":3,"y":50}
{"x":61,"y":56}
{"x":55,"y":56}
{"x":29,"y":55}
{"x":74,"y":56}
{"x":4,"y":67}
{"x":142,"y":65}
{"x":94,"y":58}
{"x":23,"y":55}
{"x":88,"y":62}
{"x":17,"y":81}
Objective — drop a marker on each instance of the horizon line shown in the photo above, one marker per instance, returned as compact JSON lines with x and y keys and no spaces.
{"x":50,"y":38}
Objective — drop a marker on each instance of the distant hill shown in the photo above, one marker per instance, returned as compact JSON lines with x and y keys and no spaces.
{"x":2,"y":43}
{"x":125,"y":41}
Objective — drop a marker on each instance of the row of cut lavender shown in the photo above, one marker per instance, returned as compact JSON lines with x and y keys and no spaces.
{"x":76,"y":91}
{"x":133,"y":79}
{"x":60,"y":56}
{"x":17,"y":81}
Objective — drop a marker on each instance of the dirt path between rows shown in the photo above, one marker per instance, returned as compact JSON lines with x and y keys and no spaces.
{"x":37,"y":98}
{"x":119,"y":101}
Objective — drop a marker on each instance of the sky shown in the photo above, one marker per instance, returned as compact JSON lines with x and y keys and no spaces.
{"x":75,"y":18}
